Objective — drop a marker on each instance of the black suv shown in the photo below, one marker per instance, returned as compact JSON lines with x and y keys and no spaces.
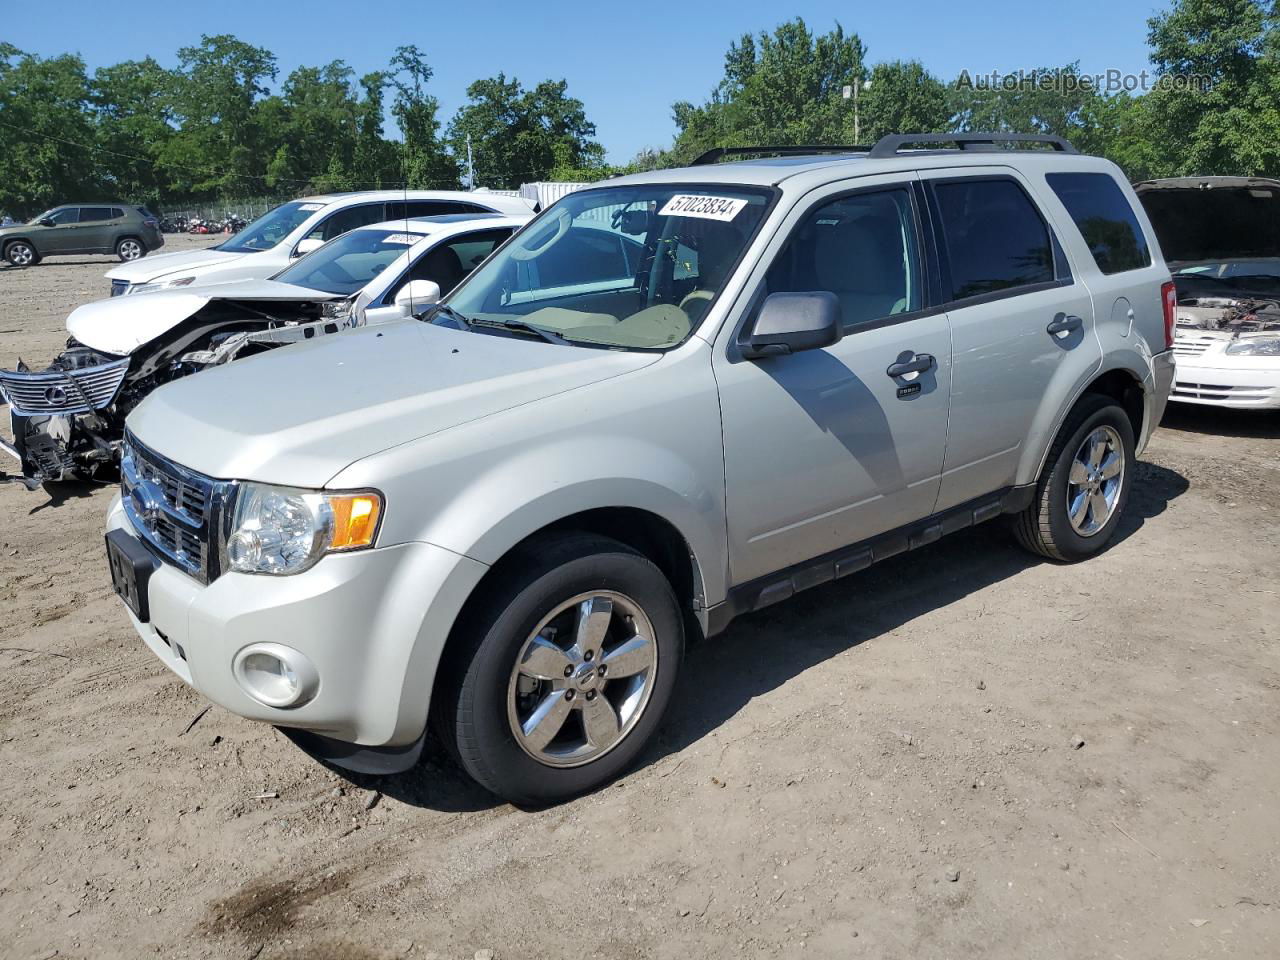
{"x":128,"y":232}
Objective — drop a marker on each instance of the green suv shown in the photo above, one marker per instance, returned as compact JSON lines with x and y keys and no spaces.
{"x":128,"y":232}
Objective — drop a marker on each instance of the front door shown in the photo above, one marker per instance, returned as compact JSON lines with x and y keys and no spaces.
{"x":828,"y":447}
{"x":62,"y":237}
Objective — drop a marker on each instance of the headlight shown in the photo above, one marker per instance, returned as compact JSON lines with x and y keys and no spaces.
{"x":1255,"y":347}
{"x":284,"y":530}
{"x":161,"y":285}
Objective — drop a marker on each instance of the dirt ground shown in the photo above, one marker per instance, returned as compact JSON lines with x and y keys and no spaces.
{"x":881,"y":768}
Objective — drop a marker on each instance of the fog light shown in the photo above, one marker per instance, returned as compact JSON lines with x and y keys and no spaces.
{"x":276,"y":675}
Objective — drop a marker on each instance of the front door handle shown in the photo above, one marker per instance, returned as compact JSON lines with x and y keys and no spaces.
{"x":1064,"y":323}
{"x":918,"y":363}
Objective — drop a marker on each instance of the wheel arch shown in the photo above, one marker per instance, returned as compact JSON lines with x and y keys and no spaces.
{"x":4,"y":244}
{"x":1121,"y":384}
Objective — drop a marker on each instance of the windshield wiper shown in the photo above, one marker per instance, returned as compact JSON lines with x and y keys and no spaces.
{"x":448,"y":311}
{"x":522,"y":326}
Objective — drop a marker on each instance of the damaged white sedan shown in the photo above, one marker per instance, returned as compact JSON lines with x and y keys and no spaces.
{"x":1221,"y":238}
{"x":68,"y":419}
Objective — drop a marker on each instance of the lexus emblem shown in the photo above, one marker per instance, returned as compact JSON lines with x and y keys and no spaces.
{"x":56,"y":395}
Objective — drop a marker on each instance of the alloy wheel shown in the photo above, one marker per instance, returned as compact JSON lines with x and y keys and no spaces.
{"x":130,"y":249}
{"x":1095,"y":481}
{"x":582,"y":679}
{"x":20,"y":254}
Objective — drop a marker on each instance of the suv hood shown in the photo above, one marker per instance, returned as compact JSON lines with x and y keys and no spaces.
{"x":122,"y":324}
{"x":299,"y":415}
{"x":1208,"y":219}
{"x":163,"y":265}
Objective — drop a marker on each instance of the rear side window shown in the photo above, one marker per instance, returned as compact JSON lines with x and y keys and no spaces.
{"x":995,"y":237}
{"x":1106,"y":220}
{"x":116,"y":213}
{"x":349,"y":219}
{"x":94,"y":214}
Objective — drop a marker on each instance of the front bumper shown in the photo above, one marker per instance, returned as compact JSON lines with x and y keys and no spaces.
{"x":1217,"y":380}
{"x":372,"y":623}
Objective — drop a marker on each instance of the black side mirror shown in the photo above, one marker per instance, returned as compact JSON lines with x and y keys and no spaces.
{"x":791,"y":322}
{"x":46,"y":222}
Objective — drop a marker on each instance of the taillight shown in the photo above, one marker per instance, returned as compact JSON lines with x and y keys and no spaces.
{"x":151,"y":223}
{"x":1169,"y":298}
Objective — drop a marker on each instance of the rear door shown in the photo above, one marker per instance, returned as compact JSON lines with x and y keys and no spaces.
{"x":827,"y":447}
{"x":97,"y":228}
{"x":1022,"y":325}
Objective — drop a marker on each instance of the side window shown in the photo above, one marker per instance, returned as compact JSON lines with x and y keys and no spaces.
{"x":1106,"y":221}
{"x":65,"y":216}
{"x":863,"y":249}
{"x":349,"y":219}
{"x":117,"y":213}
{"x":94,"y":214}
{"x":431,"y":208}
{"x":448,"y":264}
{"x":995,"y":237}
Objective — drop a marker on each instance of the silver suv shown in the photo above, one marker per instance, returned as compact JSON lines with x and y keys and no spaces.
{"x":671,"y":399}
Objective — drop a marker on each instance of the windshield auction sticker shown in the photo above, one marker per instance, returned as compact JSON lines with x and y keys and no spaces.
{"x":702,"y":207}
{"x":408,"y":239}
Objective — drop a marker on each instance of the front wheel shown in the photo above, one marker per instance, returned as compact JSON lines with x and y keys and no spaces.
{"x":1083,"y":490}
{"x":130,"y":249}
{"x":21,"y":254}
{"x":561,"y":675}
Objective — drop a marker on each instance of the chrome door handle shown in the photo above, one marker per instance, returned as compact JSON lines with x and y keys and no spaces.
{"x":918,"y":363}
{"x":1064,"y":323}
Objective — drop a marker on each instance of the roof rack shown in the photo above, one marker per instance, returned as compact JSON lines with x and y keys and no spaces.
{"x":892,"y":145}
{"x":716,"y":153}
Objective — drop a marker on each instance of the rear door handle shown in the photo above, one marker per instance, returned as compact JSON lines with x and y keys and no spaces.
{"x":1064,"y":323}
{"x":918,"y":363}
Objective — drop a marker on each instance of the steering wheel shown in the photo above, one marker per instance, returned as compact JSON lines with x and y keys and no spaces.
{"x":522,"y":250}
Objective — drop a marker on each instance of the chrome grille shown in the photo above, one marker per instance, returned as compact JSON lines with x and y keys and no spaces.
{"x":172,"y":508}
{"x":1192,"y":346}
{"x":63,"y":391}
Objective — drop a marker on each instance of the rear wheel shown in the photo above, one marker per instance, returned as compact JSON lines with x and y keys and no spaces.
{"x":1085,"y":484}
{"x":556,"y":684}
{"x":130,"y":248}
{"x":21,"y":254}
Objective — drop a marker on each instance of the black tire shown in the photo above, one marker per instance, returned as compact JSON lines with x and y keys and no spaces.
{"x":1044,"y":527}
{"x":20,"y":253}
{"x":125,"y":247}
{"x":470,"y":701}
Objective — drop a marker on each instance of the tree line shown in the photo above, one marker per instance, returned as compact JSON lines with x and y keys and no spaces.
{"x":211,"y":127}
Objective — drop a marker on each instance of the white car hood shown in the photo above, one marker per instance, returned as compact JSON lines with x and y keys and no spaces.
{"x":122,"y":324}
{"x":162,"y":265}
{"x":299,"y":415}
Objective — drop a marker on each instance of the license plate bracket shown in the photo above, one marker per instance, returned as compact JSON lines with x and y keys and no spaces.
{"x":131,"y":567}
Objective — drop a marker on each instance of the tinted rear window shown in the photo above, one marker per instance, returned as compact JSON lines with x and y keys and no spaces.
{"x":995,"y":237}
{"x":1106,"y":220}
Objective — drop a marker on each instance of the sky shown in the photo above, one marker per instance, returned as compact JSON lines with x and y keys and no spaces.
{"x":627,"y":62}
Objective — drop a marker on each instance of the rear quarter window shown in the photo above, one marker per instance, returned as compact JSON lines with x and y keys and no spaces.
{"x":1105,"y":218}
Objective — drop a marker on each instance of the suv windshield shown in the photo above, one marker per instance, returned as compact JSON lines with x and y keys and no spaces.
{"x":347,"y":264}
{"x":270,"y":228}
{"x":633,"y":267}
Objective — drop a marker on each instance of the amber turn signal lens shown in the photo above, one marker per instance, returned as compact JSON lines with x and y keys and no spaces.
{"x":355,"y":519}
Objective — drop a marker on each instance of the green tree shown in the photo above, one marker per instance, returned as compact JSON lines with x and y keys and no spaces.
{"x":134,"y":122}
{"x":222,"y":146}
{"x":519,"y":136}
{"x":426,"y":163}
{"x":1222,"y":117}
{"x":47,"y":149}
{"x":903,"y":97}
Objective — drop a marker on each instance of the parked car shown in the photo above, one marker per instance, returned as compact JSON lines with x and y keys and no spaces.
{"x":672,"y":398}
{"x":128,"y":232}
{"x":1221,"y":236}
{"x":294,"y":229}
{"x":68,"y":419}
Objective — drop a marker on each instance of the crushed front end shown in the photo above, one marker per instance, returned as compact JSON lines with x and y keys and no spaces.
{"x":66,"y":420}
